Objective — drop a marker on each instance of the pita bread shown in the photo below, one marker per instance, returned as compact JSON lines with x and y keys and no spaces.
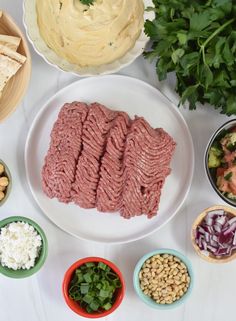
{"x":10,"y":63}
{"x":8,"y":68}
{"x":12,"y":54}
{"x":10,"y":41}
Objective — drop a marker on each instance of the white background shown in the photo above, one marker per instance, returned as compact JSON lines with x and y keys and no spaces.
{"x":39,"y":298}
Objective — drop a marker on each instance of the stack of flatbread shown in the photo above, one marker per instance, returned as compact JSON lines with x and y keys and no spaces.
{"x":10,"y":60}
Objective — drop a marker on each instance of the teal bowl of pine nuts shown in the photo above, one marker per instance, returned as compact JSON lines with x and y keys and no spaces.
{"x":163,"y":279}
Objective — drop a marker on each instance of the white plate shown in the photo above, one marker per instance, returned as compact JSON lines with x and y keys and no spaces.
{"x":134,"y":97}
{"x":32,"y":31}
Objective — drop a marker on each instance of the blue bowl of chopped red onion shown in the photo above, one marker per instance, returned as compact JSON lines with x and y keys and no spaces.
{"x":214,"y":234}
{"x":23,"y":247}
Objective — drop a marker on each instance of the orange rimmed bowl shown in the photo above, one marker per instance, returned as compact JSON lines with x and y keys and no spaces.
{"x":75,"y":306}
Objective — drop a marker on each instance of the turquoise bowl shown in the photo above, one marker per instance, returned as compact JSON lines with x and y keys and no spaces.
{"x":146,"y":299}
{"x":23,"y":273}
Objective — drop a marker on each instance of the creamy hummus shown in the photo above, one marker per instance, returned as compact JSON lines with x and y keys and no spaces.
{"x":90,"y":35}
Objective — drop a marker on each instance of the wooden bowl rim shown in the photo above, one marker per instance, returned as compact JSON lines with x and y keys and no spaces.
{"x":198,"y":220}
{"x":28,"y":62}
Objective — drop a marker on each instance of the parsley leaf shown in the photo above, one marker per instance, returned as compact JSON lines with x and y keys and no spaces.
{"x":196,"y":40}
{"x":228,"y":176}
{"x":87,"y":2}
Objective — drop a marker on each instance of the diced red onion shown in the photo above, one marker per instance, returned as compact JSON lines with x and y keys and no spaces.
{"x":215,"y":212}
{"x":204,"y":244}
{"x":217,"y":234}
{"x":212,"y":249}
{"x":226,"y":238}
{"x":207,"y":237}
{"x":209,"y":220}
{"x":217,"y":228}
{"x":221,"y":220}
{"x":201,"y":230}
{"x":232,"y":220}
{"x":214,"y":243}
{"x":233,"y":248}
{"x":221,"y":252}
{"x":231,"y":228}
{"x":215,"y":238}
{"x":208,"y":229}
{"x":234,"y":240}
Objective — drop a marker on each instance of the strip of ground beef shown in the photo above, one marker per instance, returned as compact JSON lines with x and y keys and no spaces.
{"x":95,"y":131}
{"x":60,"y":162}
{"x":147,"y":159}
{"x":109,"y":191}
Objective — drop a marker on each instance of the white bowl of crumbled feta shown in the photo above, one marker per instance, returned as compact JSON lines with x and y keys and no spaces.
{"x":23,"y":247}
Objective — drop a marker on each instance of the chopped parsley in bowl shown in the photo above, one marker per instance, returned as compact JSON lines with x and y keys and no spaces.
{"x":93,"y":287}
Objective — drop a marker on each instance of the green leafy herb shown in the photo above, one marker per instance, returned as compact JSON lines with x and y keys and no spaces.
{"x":197,"y":40}
{"x":228,"y":176}
{"x":87,"y":2}
{"x":231,"y":147}
{"x":94,"y":286}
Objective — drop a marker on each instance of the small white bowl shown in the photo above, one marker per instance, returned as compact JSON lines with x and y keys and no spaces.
{"x":32,"y":30}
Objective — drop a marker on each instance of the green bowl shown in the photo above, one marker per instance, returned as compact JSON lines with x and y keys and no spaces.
{"x":146,"y":299}
{"x":7,"y":173}
{"x":22,"y":273}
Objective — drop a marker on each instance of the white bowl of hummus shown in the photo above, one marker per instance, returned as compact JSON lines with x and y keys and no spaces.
{"x":87,"y":39}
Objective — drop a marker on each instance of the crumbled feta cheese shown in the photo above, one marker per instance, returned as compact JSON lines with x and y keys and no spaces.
{"x":20,"y":245}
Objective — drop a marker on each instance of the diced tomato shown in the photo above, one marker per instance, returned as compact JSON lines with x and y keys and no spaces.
{"x":220,"y":171}
{"x":229,"y":158}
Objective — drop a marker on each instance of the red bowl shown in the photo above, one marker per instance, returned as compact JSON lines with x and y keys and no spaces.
{"x":74,"y":305}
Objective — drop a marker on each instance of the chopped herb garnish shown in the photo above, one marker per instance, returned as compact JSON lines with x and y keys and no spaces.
{"x":90,"y":264}
{"x":231,"y":147}
{"x":102,"y":266}
{"x":107,"y":306}
{"x":94,"y":286}
{"x":87,"y":2}
{"x":228,"y":176}
{"x":84,"y":288}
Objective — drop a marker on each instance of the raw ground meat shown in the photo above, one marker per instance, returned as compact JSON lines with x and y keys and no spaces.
{"x":109,"y":191}
{"x":60,"y":163}
{"x":146,"y":160}
{"x":94,"y":137}
{"x":101,"y":158}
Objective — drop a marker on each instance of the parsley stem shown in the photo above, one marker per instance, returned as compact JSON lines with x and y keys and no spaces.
{"x":218,"y":31}
{"x":215,"y":33}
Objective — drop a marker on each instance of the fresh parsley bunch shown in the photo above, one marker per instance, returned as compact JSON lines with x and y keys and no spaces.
{"x":197,"y":40}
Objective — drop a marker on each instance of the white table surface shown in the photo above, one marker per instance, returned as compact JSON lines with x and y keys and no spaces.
{"x":39,"y":298}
